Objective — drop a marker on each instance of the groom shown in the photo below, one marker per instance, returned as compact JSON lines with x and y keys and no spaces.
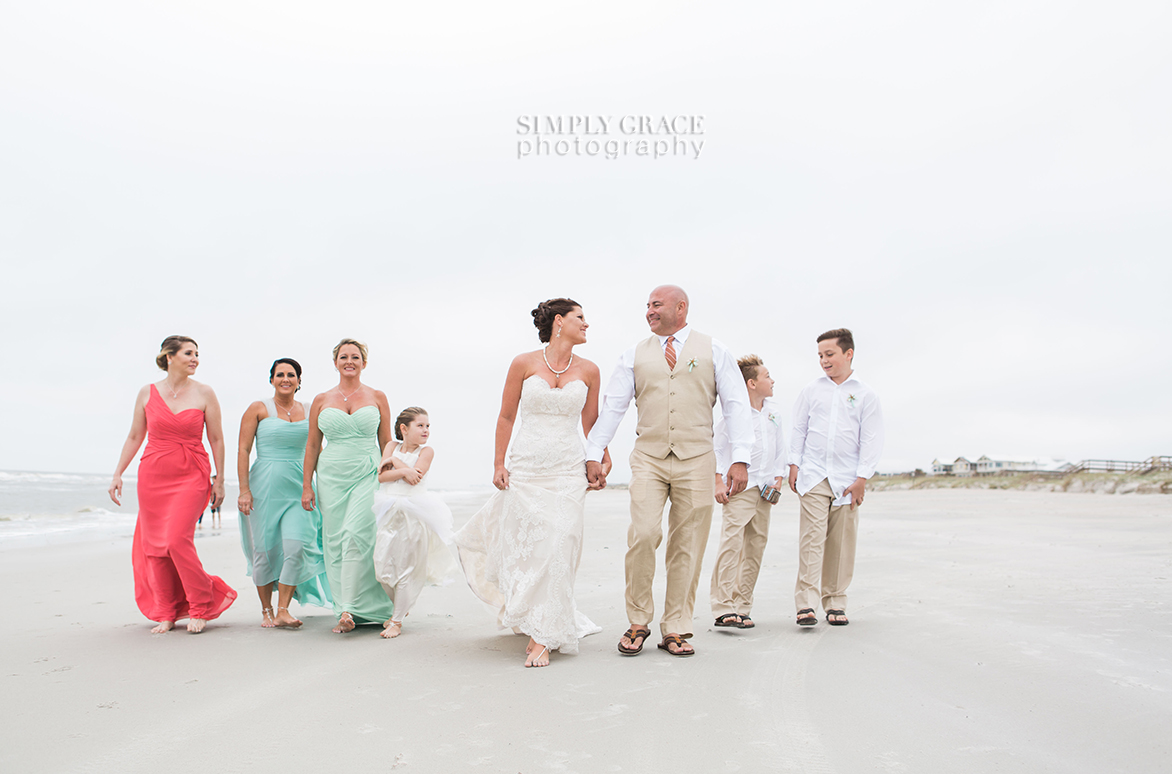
{"x":675,"y":378}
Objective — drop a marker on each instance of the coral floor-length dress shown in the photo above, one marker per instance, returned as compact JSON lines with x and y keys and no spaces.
{"x":174,"y":484}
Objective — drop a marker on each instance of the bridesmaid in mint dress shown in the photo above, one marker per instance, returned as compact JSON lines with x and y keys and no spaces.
{"x":282,"y":541}
{"x":355,"y":421}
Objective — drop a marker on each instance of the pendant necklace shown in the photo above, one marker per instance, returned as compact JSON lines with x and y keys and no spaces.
{"x":174,"y":394}
{"x":556,"y":373}
{"x":288,"y":411}
{"x":346,"y":397}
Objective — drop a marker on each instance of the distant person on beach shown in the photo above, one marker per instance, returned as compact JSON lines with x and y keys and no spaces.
{"x":414,"y":526}
{"x":674,"y":378}
{"x":745,"y":518}
{"x":214,"y":511}
{"x":282,"y":541}
{"x":836,"y":444}
{"x":355,"y":421}
{"x":174,"y":486}
{"x":520,"y":551}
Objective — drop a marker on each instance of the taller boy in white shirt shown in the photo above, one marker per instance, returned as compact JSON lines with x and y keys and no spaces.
{"x":836,"y":443}
{"x":745,"y":521}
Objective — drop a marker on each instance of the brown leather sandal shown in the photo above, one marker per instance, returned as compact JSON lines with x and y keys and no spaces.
{"x":678,"y":641}
{"x":640,"y":633}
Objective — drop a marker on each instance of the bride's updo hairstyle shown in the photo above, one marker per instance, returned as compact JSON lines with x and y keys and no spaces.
{"x":355,"y":342}
{"x":170,"y":346}
{"x":406,"y":417}
{"x":547,"y":310}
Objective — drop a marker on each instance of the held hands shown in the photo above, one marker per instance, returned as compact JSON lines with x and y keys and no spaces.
{"x":307,"y":499}
{"x":793,"y":478}
{"x":244,"y":502}
{"x":115,"y":489}
{"x":500,"y":478}
{"x":856,"y":490}
{"x":738,"y":478}
{"x":596,"y":475}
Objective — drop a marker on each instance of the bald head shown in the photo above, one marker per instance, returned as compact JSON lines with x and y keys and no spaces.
{"x":667,"y":309}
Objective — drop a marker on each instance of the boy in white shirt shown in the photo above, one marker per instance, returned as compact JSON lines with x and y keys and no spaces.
{"x":745,"y":527}
{"x":836,"y":443}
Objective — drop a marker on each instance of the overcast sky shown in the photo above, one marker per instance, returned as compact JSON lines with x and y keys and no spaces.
{"x":980,"y":191}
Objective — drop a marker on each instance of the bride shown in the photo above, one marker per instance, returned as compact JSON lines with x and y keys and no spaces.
{"x":520,"y":552}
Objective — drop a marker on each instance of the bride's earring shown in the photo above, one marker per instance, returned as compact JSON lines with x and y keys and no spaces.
{"x":559,"y":332}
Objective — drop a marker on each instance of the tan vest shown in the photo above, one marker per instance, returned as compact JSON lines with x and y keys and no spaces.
{"x":675,"y":406}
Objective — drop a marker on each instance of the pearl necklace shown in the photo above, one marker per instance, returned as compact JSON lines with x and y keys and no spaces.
{"x":556,"y":373}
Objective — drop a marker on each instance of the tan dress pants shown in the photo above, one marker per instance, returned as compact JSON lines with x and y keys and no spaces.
{"x":689,"y":486}
{"x":744,"y":532}
{"x":826,"y":550}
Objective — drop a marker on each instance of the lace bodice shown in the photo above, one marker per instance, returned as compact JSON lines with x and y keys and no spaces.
{"x":548,"y":442}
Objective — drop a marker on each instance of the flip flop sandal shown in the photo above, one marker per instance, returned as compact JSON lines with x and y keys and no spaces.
{"x":840,"y":613}
{"x":678,"y":641}
{"x":640,"y":633}
{"x":729,"y":620}
{"x":807,"y":620}
{"x":747,"y":622}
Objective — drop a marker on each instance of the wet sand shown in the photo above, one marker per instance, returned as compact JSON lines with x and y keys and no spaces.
{"x":990,"y":631}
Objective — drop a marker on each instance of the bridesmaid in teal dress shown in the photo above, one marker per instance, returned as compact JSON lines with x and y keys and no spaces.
{"x":282,"y":542}
{"x":355,"y":421}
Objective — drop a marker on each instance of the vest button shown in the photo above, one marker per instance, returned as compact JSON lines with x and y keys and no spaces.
{"x":672,"y":428}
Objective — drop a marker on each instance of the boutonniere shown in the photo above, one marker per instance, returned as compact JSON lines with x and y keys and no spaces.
{"x":691,"y":364}
{"x":851,"y":401}
{"x":773,"y":418}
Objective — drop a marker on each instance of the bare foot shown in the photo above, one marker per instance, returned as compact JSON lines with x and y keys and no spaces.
{"x":345,"y":623}
{"x":163,"y":627}
{"x":267,"y":621}
{"x":195,"y":625}
{"x":285,"y":620}
{"x":536,"y":654}
{"x":392,"y":629}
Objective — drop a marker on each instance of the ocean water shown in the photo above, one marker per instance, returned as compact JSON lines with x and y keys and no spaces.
{"x":43,"y":508}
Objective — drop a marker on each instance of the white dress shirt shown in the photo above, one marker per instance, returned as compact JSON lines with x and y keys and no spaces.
{"x":837,"y":435}
{"x":730,"y":388}
{"x":769,"y":451}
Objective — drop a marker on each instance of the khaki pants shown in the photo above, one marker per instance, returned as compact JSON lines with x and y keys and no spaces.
{"x":689,"y":486}
{"x":744,"y":532}
{"x":826,"y":550}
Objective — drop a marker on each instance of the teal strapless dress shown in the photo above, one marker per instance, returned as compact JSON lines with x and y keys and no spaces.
{"x":282,"y":541}
{"x":347,"y":477}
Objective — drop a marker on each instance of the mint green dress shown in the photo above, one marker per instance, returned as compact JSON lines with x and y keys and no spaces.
{"x":282,"y":541}
{"x":347,"y":477}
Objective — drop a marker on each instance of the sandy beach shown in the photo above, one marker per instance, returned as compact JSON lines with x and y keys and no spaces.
{"x":990,"y":631}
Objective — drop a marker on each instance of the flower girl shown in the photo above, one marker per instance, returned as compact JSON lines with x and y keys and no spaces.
{"x":414,"y":525}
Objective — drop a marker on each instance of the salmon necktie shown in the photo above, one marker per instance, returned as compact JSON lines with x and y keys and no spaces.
{"x":669,"y":352}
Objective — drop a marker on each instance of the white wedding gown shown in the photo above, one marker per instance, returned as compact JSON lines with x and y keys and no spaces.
{"x":520,"y":552}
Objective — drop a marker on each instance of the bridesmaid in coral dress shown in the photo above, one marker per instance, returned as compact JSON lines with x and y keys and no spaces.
{"x":174,"y":486}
